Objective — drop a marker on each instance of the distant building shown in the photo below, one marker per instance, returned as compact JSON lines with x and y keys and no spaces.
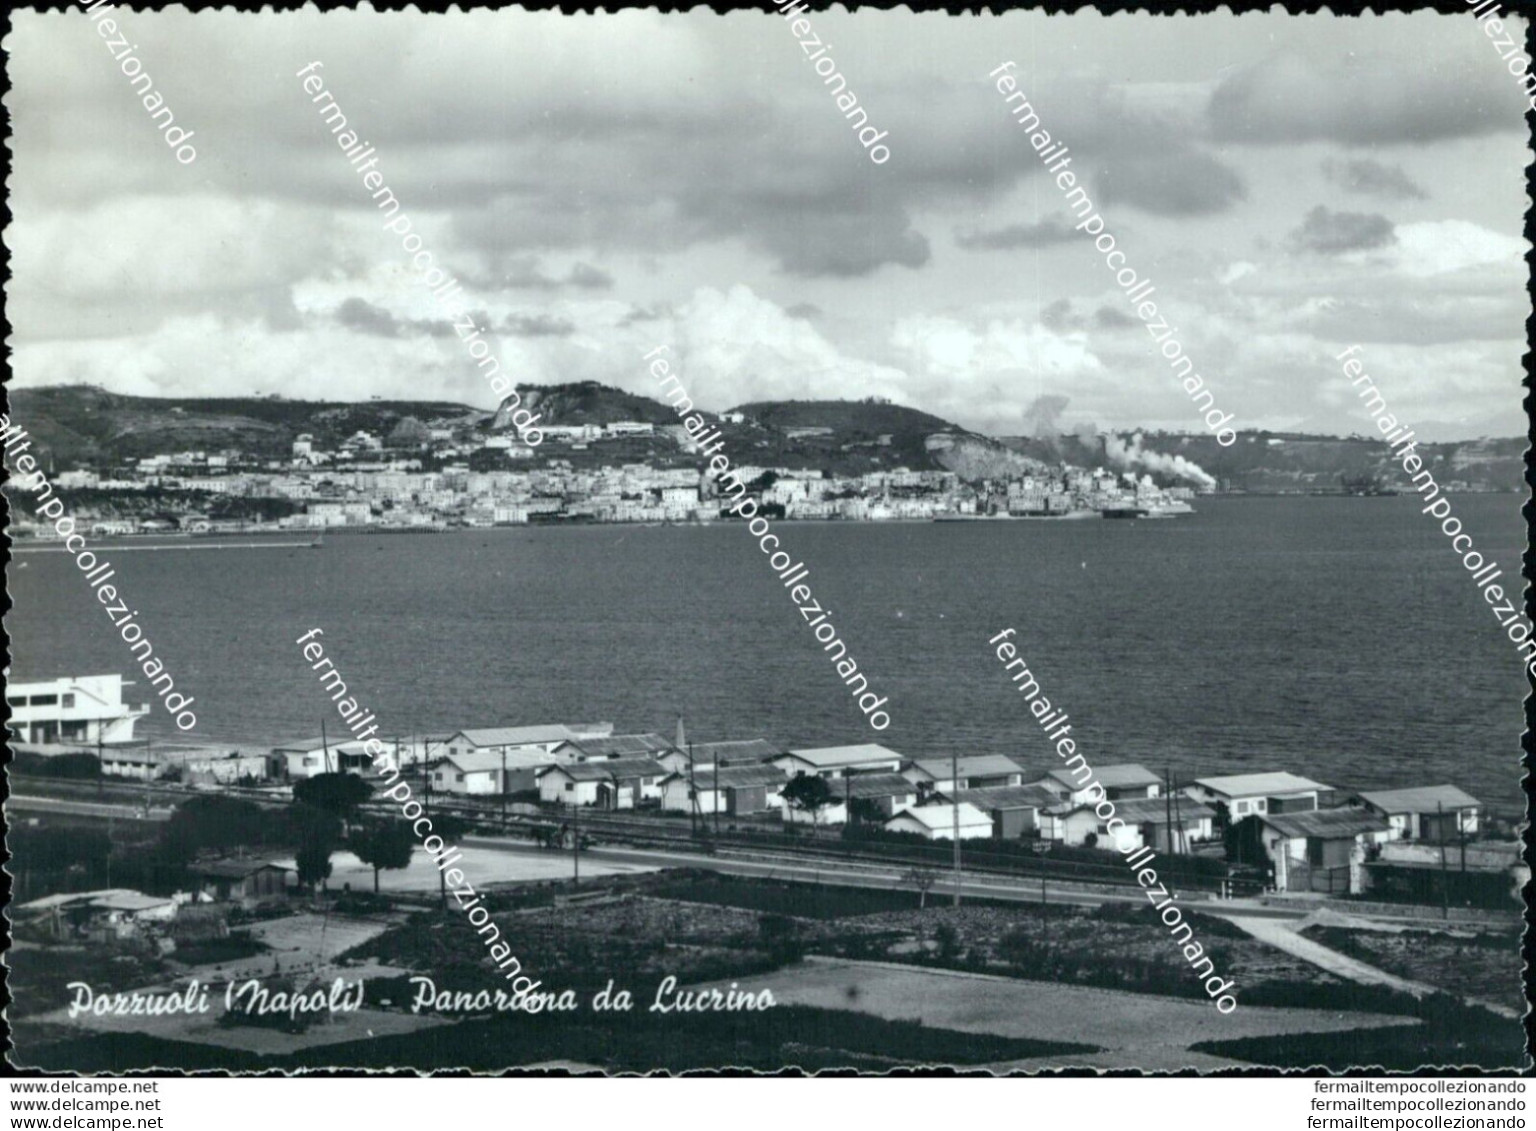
{"x":1127,"y":780}
{"x":1431,"y":812}
{"x":248,"y":883}
{"x":1015,"y":810}
{"x":311,"y":757}
{"x":84,"y":709}
{"x":612,"y":746}
{"x":840,"y":761}
{"x":976,"y":771}
{"x":734,"y":790}
{"x":1246,"y":794}
{"x":618,"y":783}
{"x":1322,"y":850}
{"x":937,"y":822}
{"x":109,"y":915}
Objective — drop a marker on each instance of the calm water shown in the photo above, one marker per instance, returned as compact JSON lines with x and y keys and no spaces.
{"x":1337,"y":638}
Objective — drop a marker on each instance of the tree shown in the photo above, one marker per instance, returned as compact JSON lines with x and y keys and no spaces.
{"x":315,"y":833}
{"x":339,"y":794}
{"x":220,"y":823}
{"x":923,"y":880}
{"x":388,"y":844}
{"x":808,"y":793}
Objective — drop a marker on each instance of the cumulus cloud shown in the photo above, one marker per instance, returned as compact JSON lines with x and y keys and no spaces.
{"x":1187,"y":184}
{"x":1387,"y":100}
{"x":1333,"y":233}
{"x":1053,"y":229}
{"x":361,"y":315}
{"x":1365,"y":177}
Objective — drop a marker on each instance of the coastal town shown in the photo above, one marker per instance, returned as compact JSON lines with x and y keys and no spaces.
{"x":420,"y":478}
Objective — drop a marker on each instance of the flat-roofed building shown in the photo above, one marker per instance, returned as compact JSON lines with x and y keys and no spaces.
{"x":648,"y":745}
{"x":737,"y":790}
{"x":85,"y":709}
{"x":1428,"y":812}
{"x":1123,"y":780}
{"x":614,"y":783}
{"x":937,"y":822}
{"x":1016,"y":810}
{"x":976,"y":771}
{"x":1322,"y":850}
{"x":840,"y":761}
{"x":1244,"y":795}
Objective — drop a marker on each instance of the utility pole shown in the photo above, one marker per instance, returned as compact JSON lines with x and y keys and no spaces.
{"x":717,"y":794}
{"x":503,"y":786}
{"x":954,"y":807}
{"x":1445,"y":886}
{"x":325,"y":746}
{"x":576,"y":842}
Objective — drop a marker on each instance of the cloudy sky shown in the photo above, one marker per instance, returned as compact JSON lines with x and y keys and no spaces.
{"x":605,"y":184}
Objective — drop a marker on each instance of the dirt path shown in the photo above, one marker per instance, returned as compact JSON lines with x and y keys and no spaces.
{"x":1281,"y":934}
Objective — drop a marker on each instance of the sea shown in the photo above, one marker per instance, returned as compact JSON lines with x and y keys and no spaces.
{"x":1338,"y":638}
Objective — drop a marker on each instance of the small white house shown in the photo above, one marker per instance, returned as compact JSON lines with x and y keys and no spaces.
{"x":1126,"y":780}
{"x":1246,"y":795}
{"x":976,"y":771}
{"x":840,"y":761}
{"x":937,"y":822}
{"x":1431,"y":812}
{"x":731,"y":789}
{"x":620,"y":783}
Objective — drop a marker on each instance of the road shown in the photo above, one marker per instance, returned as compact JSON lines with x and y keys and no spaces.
{"x":835,"y":870}
{"x":102,"y":809}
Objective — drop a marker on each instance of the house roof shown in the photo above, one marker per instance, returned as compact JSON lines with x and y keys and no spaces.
{"x":489,"y":761}
{"x":873,"y":785}
{"x":611,"y":769}
{"x":311,"y":745}
{"x":1259,"y":785}
{"x":1419,"y":799}
{"x":971,"y":765}
{"x":1159,"y":811}
{"x":942,"y":817}
{"x":735,"y":752}
{"x":1127,"y":775}
{"x":621,"y":745}
{"x":233,"y":869}
{"x":1325,"y":824}
{"x":113,"y":899}
{"x":518,"y":736}
{"x":734,"y":777}
{"x":826,"y":757}
{"x":996,"y":797}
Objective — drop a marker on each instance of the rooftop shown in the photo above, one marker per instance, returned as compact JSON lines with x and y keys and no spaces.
{"x":485,"y":761}
{"x":824,"y":757}
{"x":621,"y":745}
{"x":734,"y":777}
{"x":610,"y":769}
{"x":1126,"y":775}
{"x":970,"y":765}
{"x":1009,"y":797}
{"x":1326,"y":824}
{"x":735,"y":752}
{"x":942,"y":817}
{"x":873,"y":785}
{"x":1259,"y":785}
{"x":1421,"y":799}
{"x":518,"y":736}
{"x":1159,"y":811}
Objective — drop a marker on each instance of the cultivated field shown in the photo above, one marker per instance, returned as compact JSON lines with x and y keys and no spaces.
{"x":1136,"y":1030}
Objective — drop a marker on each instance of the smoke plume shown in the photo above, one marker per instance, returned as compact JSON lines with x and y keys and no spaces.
{"x":1134,"y":455}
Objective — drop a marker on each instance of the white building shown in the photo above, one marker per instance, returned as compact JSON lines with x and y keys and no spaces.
{"x":937,"y":822}
{"x":1245,"y":795}
{"x":81,"y":709}
{"x":839,"y":761}
{"x":1431,"y":812}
